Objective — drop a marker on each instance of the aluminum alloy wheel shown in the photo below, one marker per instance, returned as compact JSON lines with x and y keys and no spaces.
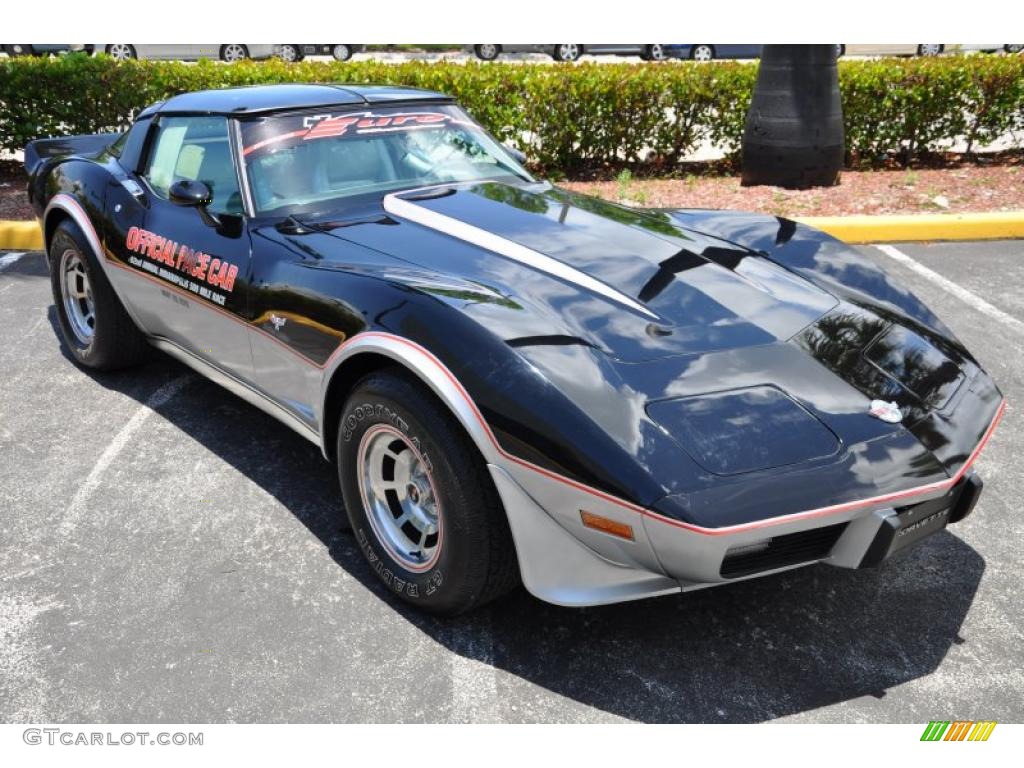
{"x":76,"y":292}
{"x":121,"y":51}
{"x":234,"y":52}
{"x":932,"y":49}
{"x":288,"y":53}
{"x":487,"y":51}
{"x":341,"y":52}
{"x":568,"y":51}
{"x":399,"y":497}
{"x":702,"y":53}
{"x":657,"y":52}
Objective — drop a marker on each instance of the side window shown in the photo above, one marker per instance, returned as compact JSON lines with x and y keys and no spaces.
{"x":197,"y":149}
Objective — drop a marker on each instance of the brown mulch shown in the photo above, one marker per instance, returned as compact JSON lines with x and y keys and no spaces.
{"x":975,"y":188}
{"x":953,"y":190}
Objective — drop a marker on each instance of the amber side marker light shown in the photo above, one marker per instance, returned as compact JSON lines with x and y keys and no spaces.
{"x":603,"y":524}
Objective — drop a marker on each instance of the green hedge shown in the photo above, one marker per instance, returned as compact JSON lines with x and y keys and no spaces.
{"x":567,"y":118}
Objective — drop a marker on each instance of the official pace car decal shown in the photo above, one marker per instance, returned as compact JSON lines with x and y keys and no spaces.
{"x":193,"y":270}
{"x":352,"y":124}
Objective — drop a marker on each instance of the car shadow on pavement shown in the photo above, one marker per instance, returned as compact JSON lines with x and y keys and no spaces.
{"x":747,"y":652}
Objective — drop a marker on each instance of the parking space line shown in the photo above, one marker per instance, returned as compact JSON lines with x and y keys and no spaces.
{"x":8,"y":259}
{"x":949,"y":286}
{"x":114,"y":447}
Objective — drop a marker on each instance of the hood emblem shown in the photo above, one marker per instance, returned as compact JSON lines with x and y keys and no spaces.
{"x":278,"y":322}
{"x":887,"y":412}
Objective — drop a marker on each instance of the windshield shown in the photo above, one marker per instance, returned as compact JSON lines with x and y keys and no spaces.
{"x":304,"y":161}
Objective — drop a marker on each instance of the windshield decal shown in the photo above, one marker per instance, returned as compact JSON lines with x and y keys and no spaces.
{"x":360,"y":124}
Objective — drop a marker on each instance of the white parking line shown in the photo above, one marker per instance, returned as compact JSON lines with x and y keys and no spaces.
{"x":9,"y":258}
{"x":154,"y":401}
{"x":949,"y":286}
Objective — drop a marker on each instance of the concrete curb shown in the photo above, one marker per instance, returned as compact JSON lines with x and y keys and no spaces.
{"x":940,"y":226}
{"x":25,"y":235}
{"x":20,"y":236}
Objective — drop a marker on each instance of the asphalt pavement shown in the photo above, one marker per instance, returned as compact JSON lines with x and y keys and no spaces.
{"x":170,"y":554}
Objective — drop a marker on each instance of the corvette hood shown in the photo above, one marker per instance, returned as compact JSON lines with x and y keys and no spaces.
{"x":631,"y":283}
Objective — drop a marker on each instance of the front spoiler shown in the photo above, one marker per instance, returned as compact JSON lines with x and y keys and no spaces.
{"x":564,"y":563}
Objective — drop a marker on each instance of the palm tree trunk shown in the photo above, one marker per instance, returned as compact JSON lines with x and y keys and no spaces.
{"x":794,"y":132}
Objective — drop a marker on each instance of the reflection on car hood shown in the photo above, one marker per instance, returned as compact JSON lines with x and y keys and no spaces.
{"x":632,"y":283}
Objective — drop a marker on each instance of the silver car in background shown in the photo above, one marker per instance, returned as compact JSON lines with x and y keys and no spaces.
{"x":572,"y":51}
{"x":185,"y":52}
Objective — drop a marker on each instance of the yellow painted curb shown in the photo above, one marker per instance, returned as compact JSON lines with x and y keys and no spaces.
{"x":940,"y":226}
{"x":20,"y":236}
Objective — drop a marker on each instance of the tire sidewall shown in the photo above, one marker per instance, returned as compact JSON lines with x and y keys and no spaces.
{"x":68,"y":237}
{"x":443,"y":586}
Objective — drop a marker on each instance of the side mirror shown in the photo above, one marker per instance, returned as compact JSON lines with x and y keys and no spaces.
{"x":518,"y":156}
{"x":194,"y":194}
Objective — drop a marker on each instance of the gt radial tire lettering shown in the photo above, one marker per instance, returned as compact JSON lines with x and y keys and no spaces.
{"x":411,"y":588}
{"x":182,"y":258}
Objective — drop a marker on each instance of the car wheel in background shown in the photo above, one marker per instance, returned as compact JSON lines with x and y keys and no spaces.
{"x":929,"y":49}
{"x":122,"y":51}
{"x":567,"y":52}
{"x":290,"y":53}
{"x":655,"y":52}
{"x":487,"y":51}
{"x":341,"y":52}
{"x":1013,"y":48}
{"x":233,"y":52}
{"x":95,"y":326}
{"x":19,"y":49}
{"x":702,"y":53}
{"x":840,"y":50}
{"x":422,"y":504}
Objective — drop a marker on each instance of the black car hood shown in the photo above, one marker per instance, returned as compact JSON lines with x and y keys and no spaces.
{"x":633,"y":284}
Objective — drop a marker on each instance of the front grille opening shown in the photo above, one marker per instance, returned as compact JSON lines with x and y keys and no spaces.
{"x":780,"y":551}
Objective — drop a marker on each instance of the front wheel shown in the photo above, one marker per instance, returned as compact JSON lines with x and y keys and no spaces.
{"x":95,"y":326}
{"x":421,"y":502}
{"x":486,"y":51}
{"x":233,"y":52}
{"x":290,"y":53}
{"x":341,"y":52}
{"x":121,"y":51}
{"x":567,"y":52}
{"x":929,"y":49}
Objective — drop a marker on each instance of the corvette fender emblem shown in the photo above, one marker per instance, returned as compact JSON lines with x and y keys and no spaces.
{"x":887,"y":412}
{"x":278,"y":322}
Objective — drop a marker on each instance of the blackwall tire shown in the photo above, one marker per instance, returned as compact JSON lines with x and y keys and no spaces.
{"x":420,"y":499}
{"x":97,"y":330}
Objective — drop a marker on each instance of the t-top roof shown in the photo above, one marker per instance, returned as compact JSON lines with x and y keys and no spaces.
{"x":272,"y":98}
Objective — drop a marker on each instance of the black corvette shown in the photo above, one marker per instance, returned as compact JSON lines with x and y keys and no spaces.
{"x":515,"y":382}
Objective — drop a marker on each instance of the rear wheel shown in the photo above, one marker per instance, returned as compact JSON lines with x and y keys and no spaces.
{"x":233,"y":52}
{"x":567,"y":52}
{"x":486,"y":51}
{"x":95,"y":326}
{"x":655,"y":52}
{"x":702,"y":53}
{"x":929,"y":49}
{"x":341,"y":51}
{"x":122,"y":51}
{"x":422,"y":504}
{"x":19,"y":49}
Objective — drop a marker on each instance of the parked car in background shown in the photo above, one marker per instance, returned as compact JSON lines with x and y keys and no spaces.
{"x":897,"y":49}
{"x":986,"y":47}
{"x":185,"y":52}
{"x":707,"y":52}
{"x":299,"y":51}
{"x":45,"y":49}
{"x":572,"y":51}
